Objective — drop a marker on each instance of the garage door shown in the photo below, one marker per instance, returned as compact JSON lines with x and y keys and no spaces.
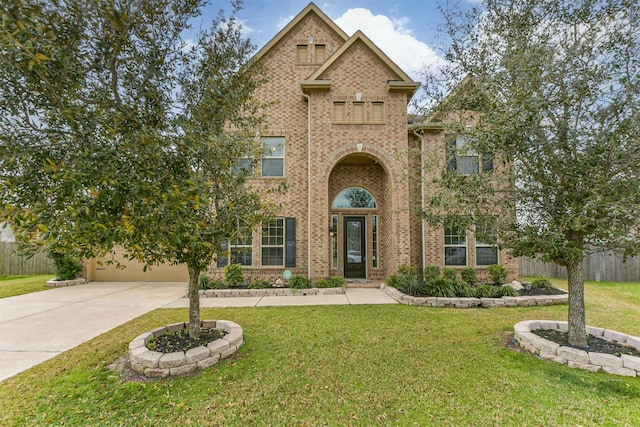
{"x":134,"y":272}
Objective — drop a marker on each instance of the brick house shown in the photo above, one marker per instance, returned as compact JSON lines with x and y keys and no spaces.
{"x":339,"y":134}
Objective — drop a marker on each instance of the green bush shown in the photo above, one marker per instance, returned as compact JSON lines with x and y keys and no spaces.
{"x":497,"y":274}
{"x":410,"y":284}
{"x":321,"y":283}
{"x":260,"y":284}
{"x":431,"y":272}
{"x":67,"y":268}
{"x":462,"y":289}
{"x":407,"y":270}
{"x":507,"y":291}
{"x":299,"y":282}
{"x":393,"y":280}
{"x":337,"y":282}
{"x":469,"y":276}
{"x":204,"y":282}
{"x":449,"y":274}
{"x":217,"y":284}
{"x":486,"y":291}
{"x":541,"y":283}
{"x":440,"y":287}
{"x":233,"y":275}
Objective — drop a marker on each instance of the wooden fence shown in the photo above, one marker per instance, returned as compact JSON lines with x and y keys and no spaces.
{"x":605,"y":266}
{"x":12,"y":264}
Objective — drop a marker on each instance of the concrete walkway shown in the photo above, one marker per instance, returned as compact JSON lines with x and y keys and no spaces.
{"x":83,"y":312}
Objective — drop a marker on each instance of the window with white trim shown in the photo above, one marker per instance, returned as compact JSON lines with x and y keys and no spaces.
{"x":273,"y":156}
{"x":455,"y":245}
{"x":334,"y":241}
{"x":465,"y":160}
{"x":374,"y":240}
{"x":242,"y":250}
{"x":273,"y":243}
{"x":486,"y":252}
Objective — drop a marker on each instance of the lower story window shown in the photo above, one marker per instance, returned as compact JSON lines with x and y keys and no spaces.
{"x":241,"y":250}
{"x":273,"y":243}
{"x":455,"y":246}
{"x":486,"y":255}
{"x":334,"y":241}
{"x":486,"y":252}
{"x":374,"y":240}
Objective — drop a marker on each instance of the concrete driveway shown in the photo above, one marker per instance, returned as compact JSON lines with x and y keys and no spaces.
{"x":83,"y":312}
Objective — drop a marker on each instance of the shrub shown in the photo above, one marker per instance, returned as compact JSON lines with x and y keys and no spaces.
{"x":337,"y":282}
{"x":321,"y":283}
{"x":507,"y":291}
{"x":462,"y":289}
{"x":299,"y":282}
{"x":393,"y":280}
{"x":204,"y":282}
{"x":260,"y":284}
{"x":497,"y":274}
{"x":449,"y":274}
{"x":440,"y":287}
{"x":407,"y":270}
{"x":233,"y":275}
{"x":486,"y":291}
{"x":67,"y":268}
{"x":411,"y":285}
{"x":431,"y":272}
{"x":217,"y":284}
{"x":541,"y":283}
{"x":469,"y":276}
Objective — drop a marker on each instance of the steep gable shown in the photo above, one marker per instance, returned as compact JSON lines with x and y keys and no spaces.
{"x":307,"y":22}
{"x":373,"y":65}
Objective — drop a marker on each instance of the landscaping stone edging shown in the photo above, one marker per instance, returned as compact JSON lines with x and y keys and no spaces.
{"x":272,"y":292}
{"x":161,"y":365}
{"x":458,"y":302}
{"x":575,"y":358}
{"x":53,"y":283}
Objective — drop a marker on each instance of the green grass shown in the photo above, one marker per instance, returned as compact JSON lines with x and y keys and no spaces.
{"x":17,"y":285}
{"x":382,"y":365}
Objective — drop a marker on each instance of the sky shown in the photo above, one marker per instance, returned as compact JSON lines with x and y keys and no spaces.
{"x":408,"y":31}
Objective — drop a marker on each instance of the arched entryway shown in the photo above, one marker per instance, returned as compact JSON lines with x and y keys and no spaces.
{"x":358,"y":209}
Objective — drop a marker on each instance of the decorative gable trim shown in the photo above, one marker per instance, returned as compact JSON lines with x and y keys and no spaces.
{"x":311,"y":8}
{"x":403,"y":83}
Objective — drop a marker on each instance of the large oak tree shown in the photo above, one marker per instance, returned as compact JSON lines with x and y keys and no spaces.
{"x":552,"y":89}
{"x":118,"y":132}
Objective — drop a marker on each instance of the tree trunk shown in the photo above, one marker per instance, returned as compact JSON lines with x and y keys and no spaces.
{"x":194,"y":302}
{"x":577,"y":326}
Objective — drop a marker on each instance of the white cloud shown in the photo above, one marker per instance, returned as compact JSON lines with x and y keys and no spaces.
{"x":393,"y":38}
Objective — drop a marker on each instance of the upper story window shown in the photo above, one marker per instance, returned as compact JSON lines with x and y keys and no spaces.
{"x":465,"y":160}
{"x":273,"y":156}
{"x":320,"y":53}
{"x":339,"y":112}
{"x":377,"y":112}
{"x":354,"y":197}
{"x":302,"y":54}
{"x":358,"y":112}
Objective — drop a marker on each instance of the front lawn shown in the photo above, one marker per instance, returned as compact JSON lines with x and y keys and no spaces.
{"x":17,"y":285}
{"x":343,"y":365}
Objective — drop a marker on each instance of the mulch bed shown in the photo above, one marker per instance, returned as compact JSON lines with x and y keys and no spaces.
{"x":541,"y":291}
{"x":594,"y":344}
{"x":181,"y":341}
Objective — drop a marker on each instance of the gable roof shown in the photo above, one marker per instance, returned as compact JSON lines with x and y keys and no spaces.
{"x":403,"y":83}
{"x":311,"y":8}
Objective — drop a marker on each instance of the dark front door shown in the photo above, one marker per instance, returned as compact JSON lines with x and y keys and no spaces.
{"x":355,"y":259}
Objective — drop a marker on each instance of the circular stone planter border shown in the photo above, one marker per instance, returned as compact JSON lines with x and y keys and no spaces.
{"x":575,"y":358}
{"x":459,"y":302}
{"x":160,"y":365}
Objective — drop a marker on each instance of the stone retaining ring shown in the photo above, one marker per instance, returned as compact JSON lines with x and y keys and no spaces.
{"x":575,"y":358}
{"x":154,"y":364}
{"x":53,"y":283}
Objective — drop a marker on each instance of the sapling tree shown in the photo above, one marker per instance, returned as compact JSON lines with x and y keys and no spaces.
{"x":552,"y":90}
{"x":117,"y":132}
